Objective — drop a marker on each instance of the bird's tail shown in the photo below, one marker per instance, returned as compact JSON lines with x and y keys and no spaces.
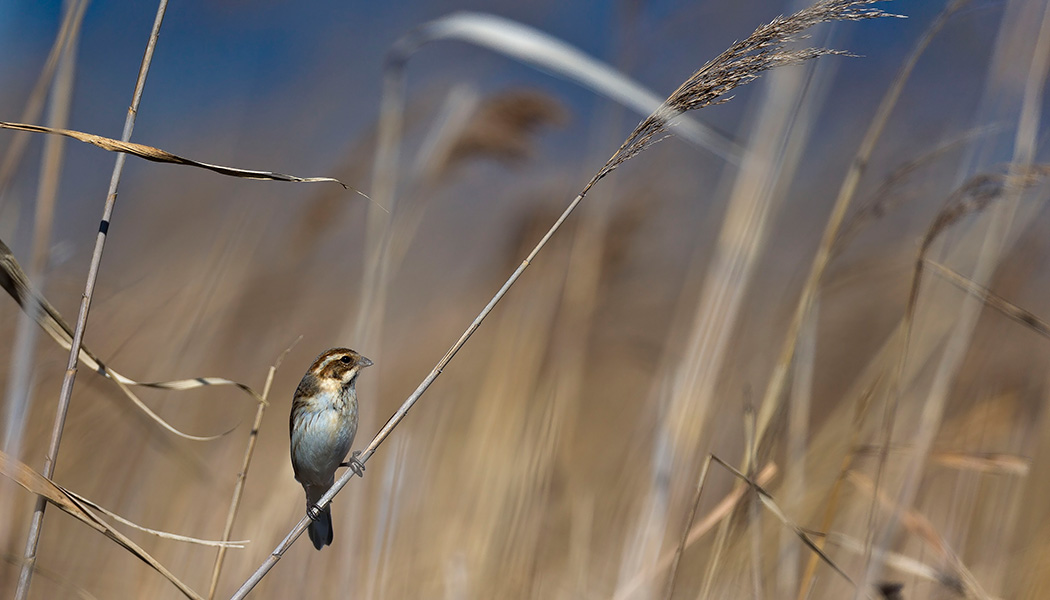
{"x":320,"y":530}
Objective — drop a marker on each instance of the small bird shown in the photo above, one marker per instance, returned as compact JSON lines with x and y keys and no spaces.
{"x":322,"y":428}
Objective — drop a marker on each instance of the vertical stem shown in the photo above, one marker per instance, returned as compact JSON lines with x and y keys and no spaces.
{"x":238,"y":489}
{"x":29,"y":560}
{"x":21,"y":371}
{"x":35,"y":104}
{"x":381,"y":210}
{"x":688,"y":527}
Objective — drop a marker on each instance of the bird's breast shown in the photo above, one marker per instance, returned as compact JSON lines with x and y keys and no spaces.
{"x":322,"y":432}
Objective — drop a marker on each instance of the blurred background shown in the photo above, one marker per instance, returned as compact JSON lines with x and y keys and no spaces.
{"x":558,"y":455}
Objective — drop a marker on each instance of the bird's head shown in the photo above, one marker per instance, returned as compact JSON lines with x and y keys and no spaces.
{"x":342,"y":364}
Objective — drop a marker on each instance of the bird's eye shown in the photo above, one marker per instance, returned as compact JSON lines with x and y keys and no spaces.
{"x":345,"y":360}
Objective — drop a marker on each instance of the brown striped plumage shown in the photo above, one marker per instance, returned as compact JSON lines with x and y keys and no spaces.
{"x":322,"y":427}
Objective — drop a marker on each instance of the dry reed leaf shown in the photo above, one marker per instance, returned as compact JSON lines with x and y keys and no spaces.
{"x":163,"y":156}
{"x":155,"y":532}
{"x":36,"y":483}
{"x":900,"y":562}
{"x":990,"y":298}
{"x":26,"y":477}
{"x":974,"y":196}
{"x":15,"y":282}
{"x":767,"y":500}
{"x":987,"y":462}
{"x":979,"y":462}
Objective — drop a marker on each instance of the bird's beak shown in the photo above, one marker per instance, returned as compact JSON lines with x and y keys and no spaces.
{"x":364,"y":362}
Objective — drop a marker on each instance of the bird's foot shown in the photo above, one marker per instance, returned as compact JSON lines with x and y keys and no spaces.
{"x":314,"y":512}
{"x":354,"y":464}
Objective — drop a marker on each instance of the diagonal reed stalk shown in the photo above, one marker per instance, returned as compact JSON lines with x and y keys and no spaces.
{"x":742,"y":63}
{"x":516,"y":41}
{"x":390,"y":224}
{"x":26,"y":575}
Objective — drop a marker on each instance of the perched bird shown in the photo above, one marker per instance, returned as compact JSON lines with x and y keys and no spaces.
{"x":322,"y":425}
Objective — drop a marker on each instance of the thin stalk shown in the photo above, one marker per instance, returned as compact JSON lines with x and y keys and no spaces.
{"x":754,"y":518}
{"x":380,"y":437}
{"x":242,"y":476}
{"x":847,"y":191}
{"x":71,"y":21}
{"x":21,"y":372}
{"x":688,"y":527}
{"x":798,"y":434}
{"x":381,"y":210}
{"x":992,"y":246}
{"x":713,"y":517}
{"x":367,"y":327}
{"x":47,"y":189}
{"x":33,"y":540}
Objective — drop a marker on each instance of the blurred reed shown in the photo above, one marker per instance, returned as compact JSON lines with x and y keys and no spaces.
{"x":588,"y":442}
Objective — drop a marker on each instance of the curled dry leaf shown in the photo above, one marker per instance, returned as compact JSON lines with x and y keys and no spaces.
{"x":163,"y":156}
{"x":15,"y":282}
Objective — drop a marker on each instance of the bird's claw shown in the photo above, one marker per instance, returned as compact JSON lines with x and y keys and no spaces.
{"x":314,"y":512}
{"x":356,"y":465}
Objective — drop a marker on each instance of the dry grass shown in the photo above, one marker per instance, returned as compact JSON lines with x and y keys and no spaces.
{"x":596,"y":437}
